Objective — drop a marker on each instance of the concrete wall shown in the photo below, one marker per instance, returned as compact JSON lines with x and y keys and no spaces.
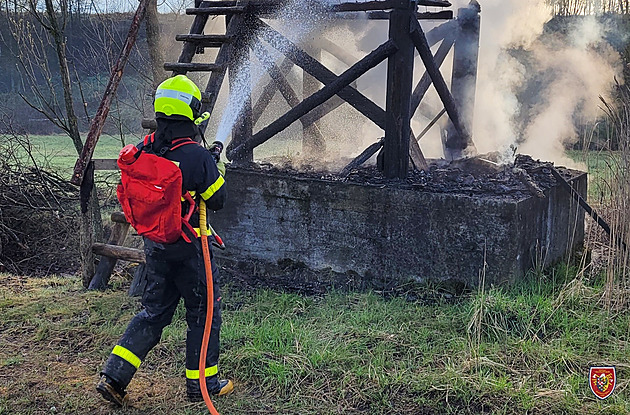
{"x":389,"y":235}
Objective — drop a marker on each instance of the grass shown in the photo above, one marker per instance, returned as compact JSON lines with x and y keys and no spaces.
{"x":526,"y":349}
{"x":57,"y":152}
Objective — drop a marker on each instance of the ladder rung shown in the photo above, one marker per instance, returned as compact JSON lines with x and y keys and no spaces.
{"x":208,"y":41}
{"x":192,"y":67}
{"x":434,"y":3}
{"x":216,"y":10}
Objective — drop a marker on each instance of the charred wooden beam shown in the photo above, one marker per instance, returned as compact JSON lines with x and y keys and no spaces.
{"x":269,"y":91}
{"x":464,"y":80}
{"x":425,"y":82}
{"x":591,"y":212}
{"x":215,"y":11}
{"x":358,"y":69}
{"x":278,"y":77}
{"x":189,"y":48}
{"x":420,"y":42}
{"x":431,"y":124}
{"x":381,"y":5}
{"x":322,"y":110}
{"x":97,"y":123}
{"x":415,"y":154}
{"x":313,"y":143}
{"x":216,"y":3}
{"x":445,"y":30}
{"x":399,"y":84}
{"x":359,"y":101}
{"x":362,"y":158}
{"x":276,"y":74}
{"x":182,"y":68}
{"x":384,"y":15}
{"x":205,"y":41}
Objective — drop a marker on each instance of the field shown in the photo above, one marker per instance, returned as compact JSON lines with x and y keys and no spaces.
{"x":526,"y":349}
{"x":517,"y":350}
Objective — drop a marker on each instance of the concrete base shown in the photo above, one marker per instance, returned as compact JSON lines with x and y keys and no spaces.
{"x":390,"y":235}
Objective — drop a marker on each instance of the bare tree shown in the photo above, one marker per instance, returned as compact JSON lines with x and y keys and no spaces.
{"x":37,"y":30}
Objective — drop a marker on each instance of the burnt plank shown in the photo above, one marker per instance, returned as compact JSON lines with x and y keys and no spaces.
{"x":206,"y":41}
{"x":421,"y":44}
{"x":322,"y":110}
{"x":425,"y":82}
{"x":215,"y":11}
{"x":382,"y":5}
{"x":182,"y":68}
{"x":362,"y":158}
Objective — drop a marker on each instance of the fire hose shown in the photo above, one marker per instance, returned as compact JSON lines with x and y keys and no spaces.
{"x":203,"y":230}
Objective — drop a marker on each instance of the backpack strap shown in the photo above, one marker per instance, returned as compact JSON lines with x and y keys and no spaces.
{"x":178,"y":142}
{"x":149,"y":139}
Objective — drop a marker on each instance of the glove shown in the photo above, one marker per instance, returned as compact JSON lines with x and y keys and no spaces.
{"x":215,"y":150}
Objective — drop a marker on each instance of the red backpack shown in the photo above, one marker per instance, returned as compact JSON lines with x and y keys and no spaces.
{"x":150,"y":193}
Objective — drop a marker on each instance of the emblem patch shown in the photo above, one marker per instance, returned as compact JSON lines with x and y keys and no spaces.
{"x":602,"y":381}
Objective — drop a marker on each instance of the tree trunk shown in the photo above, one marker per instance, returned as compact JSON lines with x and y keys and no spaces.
{"x":90,"y":218}
{"x":153,"y":41}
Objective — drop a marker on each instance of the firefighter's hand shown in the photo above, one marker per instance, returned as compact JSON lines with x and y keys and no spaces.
{"x":215,"y":149}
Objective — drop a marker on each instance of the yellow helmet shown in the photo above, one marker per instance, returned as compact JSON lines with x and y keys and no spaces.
{"x":178,"y":96}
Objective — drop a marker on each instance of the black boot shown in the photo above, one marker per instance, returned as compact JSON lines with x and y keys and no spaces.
{"x":215,"y":387}
{"x":110,"y":390}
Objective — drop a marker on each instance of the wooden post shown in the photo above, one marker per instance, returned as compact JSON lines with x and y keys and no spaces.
{"x":107,"y":264}
{"x":464,"y":83}
{"x":312,"y":141}
{"x":399,"y":84}
{"x":341,"y":82}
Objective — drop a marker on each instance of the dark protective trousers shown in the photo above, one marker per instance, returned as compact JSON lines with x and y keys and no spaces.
{"x":173,"y":271}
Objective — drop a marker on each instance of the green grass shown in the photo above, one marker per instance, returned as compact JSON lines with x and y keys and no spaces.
{"x":599,"y":168}
{"x":57,"y":152}
{"x":526,"y":349}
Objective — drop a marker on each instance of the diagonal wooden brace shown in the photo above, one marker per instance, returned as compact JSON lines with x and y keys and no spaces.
{"x":330,"y":89}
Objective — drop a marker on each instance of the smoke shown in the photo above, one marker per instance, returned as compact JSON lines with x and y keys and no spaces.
{"x":539,"y":81}
{"x":535,"y":87}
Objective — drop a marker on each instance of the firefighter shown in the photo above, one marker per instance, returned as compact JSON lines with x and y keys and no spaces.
{"x":175,"y":270}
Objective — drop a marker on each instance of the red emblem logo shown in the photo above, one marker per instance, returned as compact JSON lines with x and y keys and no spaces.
{"x":603,"y":381}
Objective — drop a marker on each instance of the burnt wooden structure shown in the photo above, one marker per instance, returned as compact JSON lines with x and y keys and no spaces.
{"x":247,"y":35}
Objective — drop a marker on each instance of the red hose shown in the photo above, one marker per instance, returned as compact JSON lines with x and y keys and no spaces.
{"x":205,"y":248}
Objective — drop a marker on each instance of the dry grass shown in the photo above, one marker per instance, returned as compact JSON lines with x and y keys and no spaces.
{"x":352,"y":353}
